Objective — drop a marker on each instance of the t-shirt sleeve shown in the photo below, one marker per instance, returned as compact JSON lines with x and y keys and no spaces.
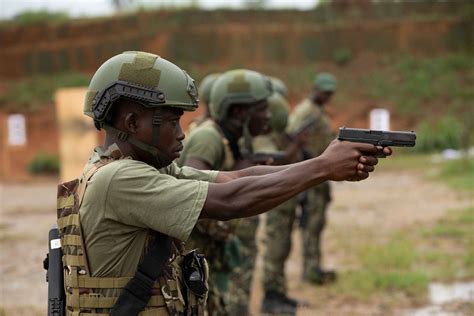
{"x":264,"y":144}
{"x":191,"y":173}
{"x":139,"y":195}
{"x":206,"y":145}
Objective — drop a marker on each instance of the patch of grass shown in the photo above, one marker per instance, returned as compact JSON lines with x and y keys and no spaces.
{"x":363,"y":284}
{"x":395,"y":255}
{"x":385,"y":268}
{"x":453,"y":236}
{"x":459,"y":174}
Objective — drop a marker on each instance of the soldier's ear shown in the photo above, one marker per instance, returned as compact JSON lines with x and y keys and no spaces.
{"x":131,"y":122}
{"x":239,"y":112}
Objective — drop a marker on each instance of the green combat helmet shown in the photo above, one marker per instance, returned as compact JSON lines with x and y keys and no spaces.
{"x":205,"y":87}
{"x":146,"y":79}
{"x":279,"y":86}
{"x":280,"y":109}
{"x":242,"y":87}
{"x":325,"y":82}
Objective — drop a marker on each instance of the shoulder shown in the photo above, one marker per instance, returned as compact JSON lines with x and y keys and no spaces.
{"x":205,"y":134}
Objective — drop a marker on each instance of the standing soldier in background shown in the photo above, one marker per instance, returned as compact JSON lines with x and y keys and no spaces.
{"x":279,"y":224}
{"x":316,"y":199}
{"x":238,"y":107}
{"x":204,"y":96}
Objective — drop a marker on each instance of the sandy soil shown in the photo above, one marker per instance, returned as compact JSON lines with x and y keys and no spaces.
{"x":379,"y":206}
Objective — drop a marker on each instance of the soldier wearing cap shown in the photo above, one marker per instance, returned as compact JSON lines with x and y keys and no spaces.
{"x":315,"y":201}
{"x":123,"y":222}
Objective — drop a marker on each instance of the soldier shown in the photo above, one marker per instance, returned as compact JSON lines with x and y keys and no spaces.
{"x":123,"y":222}
{"x":279,"y":222}
{"x":317,"y":199}
{"x":204,"y":95}
{"x":238,"y":110}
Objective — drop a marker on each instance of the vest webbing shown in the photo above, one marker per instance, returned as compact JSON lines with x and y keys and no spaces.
{"x":82,"y":296}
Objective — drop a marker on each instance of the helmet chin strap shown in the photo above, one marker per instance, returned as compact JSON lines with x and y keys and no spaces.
{"x":160,"y":160}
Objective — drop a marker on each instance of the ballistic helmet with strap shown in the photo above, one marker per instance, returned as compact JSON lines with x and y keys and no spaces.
{"x":279,"y":109}
{"x":279,"y":86}
{"x":240,"y":86}
{"x":143,"y":78}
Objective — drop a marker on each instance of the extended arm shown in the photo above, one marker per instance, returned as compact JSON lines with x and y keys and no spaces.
{"x":268,"y":186}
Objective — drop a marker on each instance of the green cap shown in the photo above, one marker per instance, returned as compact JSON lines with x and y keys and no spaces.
{"x":325,"y":82}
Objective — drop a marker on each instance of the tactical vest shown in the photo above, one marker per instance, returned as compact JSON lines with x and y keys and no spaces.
{"x":85,"y":294}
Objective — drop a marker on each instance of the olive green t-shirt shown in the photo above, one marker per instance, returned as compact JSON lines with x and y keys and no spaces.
{"x":126,"y":198}
{"x":320,"y":134}
{"x":205,"y":143}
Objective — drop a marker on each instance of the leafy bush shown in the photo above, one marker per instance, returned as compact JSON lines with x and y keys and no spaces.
{"x":443,"y":134}
{"x":44,"y":163}
{"x":342,"y":56}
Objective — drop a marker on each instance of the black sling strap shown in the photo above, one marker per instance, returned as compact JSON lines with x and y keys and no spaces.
{"x":136,"y":294}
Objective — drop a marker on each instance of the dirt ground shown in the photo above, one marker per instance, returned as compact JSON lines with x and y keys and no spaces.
{"x":379,"y":206}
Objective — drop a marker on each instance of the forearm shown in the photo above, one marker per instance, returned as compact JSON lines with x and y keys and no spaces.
{"x":225,"y":176}
{"x":252,"y":195}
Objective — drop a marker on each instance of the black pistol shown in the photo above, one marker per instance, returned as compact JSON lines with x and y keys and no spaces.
{"x":54,"y":275}
{"x":378,"y":138}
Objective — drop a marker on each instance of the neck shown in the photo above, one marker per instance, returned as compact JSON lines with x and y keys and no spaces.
{"x":232,"y":133}
{"x":124,"y":147}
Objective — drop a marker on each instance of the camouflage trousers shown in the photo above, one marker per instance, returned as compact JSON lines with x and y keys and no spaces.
{"x":317,"y":202}
{"x":278,"y":229}
{"x":241,"y":277}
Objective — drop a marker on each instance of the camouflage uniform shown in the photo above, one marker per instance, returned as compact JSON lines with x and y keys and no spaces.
{"x":319,"y":196}
{"x":213,"y":238}
{"x":279,"y":225}
{"x":208,"y":143}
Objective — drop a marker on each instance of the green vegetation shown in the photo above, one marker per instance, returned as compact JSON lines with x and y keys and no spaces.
{"x":44,"y":163}
{"x":385,"y":267}
{"x":40,"y":16}
{"x":342,"y":56}
{"x":416,"y":84}
{"x":458,"y":173}
{"x":453,"y":256}
{"x":31,"y":93}
{"x":445,"y":133}
{"x":414,"y":256}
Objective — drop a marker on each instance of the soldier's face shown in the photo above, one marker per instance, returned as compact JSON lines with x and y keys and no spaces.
{"x":322,"y":97}
{"x":260,"y":119}
{"x":170,"y":136}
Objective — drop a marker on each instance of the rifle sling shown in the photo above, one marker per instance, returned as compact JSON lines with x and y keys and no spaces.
{"x":136,"y":294}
